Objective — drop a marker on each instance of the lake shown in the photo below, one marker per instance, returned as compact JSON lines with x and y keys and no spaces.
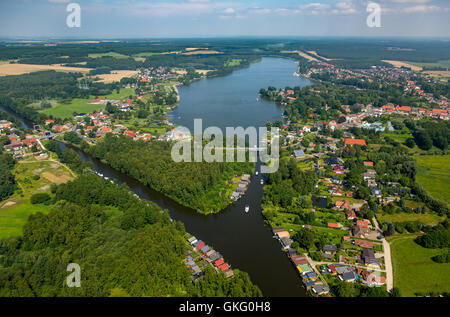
{"x":233,"y":100}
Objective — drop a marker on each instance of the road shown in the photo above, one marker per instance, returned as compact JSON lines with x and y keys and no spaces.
{"x":387,"y":260}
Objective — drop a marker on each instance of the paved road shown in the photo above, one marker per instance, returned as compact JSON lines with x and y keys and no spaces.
{"x":387,"y":260}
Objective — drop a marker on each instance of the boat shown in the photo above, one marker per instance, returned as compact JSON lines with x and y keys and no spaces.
{"x":247,"y":208}
{"x":256,"y":173}
{"x":262,"y":182}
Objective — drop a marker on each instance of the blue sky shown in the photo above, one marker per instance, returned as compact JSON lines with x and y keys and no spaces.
{"x":209,"y":18}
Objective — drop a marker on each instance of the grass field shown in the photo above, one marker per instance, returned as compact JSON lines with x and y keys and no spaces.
{"x":443,"y":63}
{"x":12,"y":218}
{"x":15,"y":211}
{"x":81,"y":105}
{"x":414,"y":271}
{"x":426,"y":219}
{"x":434,"y":175}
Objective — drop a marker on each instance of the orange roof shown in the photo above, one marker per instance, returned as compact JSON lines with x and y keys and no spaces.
{"x":355,"y":142}
{"x":440,"y":111}
{"x":404,"y":108}
{"x":333,"y":225}
{"x":224,"y":267}
{"x":363,"y":223}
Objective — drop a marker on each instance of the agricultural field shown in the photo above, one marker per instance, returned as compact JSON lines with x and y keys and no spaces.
{"x":32,"y":177}
{"x":116,"y":75}
{"x":434,"y":175}
{"x":414,"y":271}
{"x":19,"y":69}
{"x":403,"y":64}
{"x":82,"y":106}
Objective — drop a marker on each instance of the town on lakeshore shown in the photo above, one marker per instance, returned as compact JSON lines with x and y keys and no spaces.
{"x":356,"y":203}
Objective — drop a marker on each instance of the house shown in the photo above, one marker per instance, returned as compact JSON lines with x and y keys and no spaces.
{"x":333,"y":225}
{"x":299,"y":153}
{"x":282,"y":234}
{"x":363,"y":223}
{"x":320,"y":289}
{"x":219,"y":262}
{"x":286,"y":242}
{"x":298,"y":260}
{"x":368,"y":257}
{"x":129,"y":133}
{"x":368,"y":164}
{"x":350,"y":214}
{"x":364,"y":243}
{"x":342,"y":204}
{"x":304,"y":268}
{"x":329,"y":248}
{"x":29,"y":142}
{"x":360,"y":142}
{"x":348,"y":277}
{"x":200,"y":245}
{"x":359,"y":231}
{"x":224,"y":267}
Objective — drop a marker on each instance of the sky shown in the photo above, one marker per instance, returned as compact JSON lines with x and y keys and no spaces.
{"x":119,"y":19}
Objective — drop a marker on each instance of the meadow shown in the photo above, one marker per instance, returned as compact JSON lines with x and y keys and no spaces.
{"x":414,"y":271}
{"x":434,"y":175}
{"x":82,"y":105}
{"x":32,"y":177}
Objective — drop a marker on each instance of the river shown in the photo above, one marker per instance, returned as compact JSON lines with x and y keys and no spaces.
{"x":242,"y":238}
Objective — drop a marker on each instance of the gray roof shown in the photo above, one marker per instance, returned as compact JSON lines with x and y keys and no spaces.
{"x":299,"y":153}
{"x":330,"y":247}
{"x":320,"y":288}
{"x":348,"y":276}
{"x":344,"y":269}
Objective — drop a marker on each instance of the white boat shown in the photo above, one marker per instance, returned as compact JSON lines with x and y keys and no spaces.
{"x":262,"y":182}
{"x":256,"y":173}
{"x":247,"y":208}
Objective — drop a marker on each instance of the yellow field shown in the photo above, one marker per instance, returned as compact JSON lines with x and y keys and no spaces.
{"x":61,"y":179}
{"x":317,"y":55}
{"x":200,"y":71}
{"x":302,"y":54}
{"x":400,"y":64}
{"x":117,"y":75}
{"x":19,"y":69}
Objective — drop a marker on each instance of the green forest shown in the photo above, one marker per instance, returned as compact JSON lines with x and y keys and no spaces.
{"x":124,"y":246}
{"x":199,"y":185}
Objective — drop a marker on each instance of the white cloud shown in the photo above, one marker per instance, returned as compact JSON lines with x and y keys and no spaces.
{"x":421,"y":9}
{"x":229,"y":11}
{"x":316,"y":6}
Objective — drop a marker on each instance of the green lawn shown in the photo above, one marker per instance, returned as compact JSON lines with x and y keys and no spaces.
{"x":434,"y":175}
{"x":443,"y":63}
{"x":81,"y":105}
{"x":414,"y":271}
{"x":426,"y":219}
{"x":13,"y":218}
